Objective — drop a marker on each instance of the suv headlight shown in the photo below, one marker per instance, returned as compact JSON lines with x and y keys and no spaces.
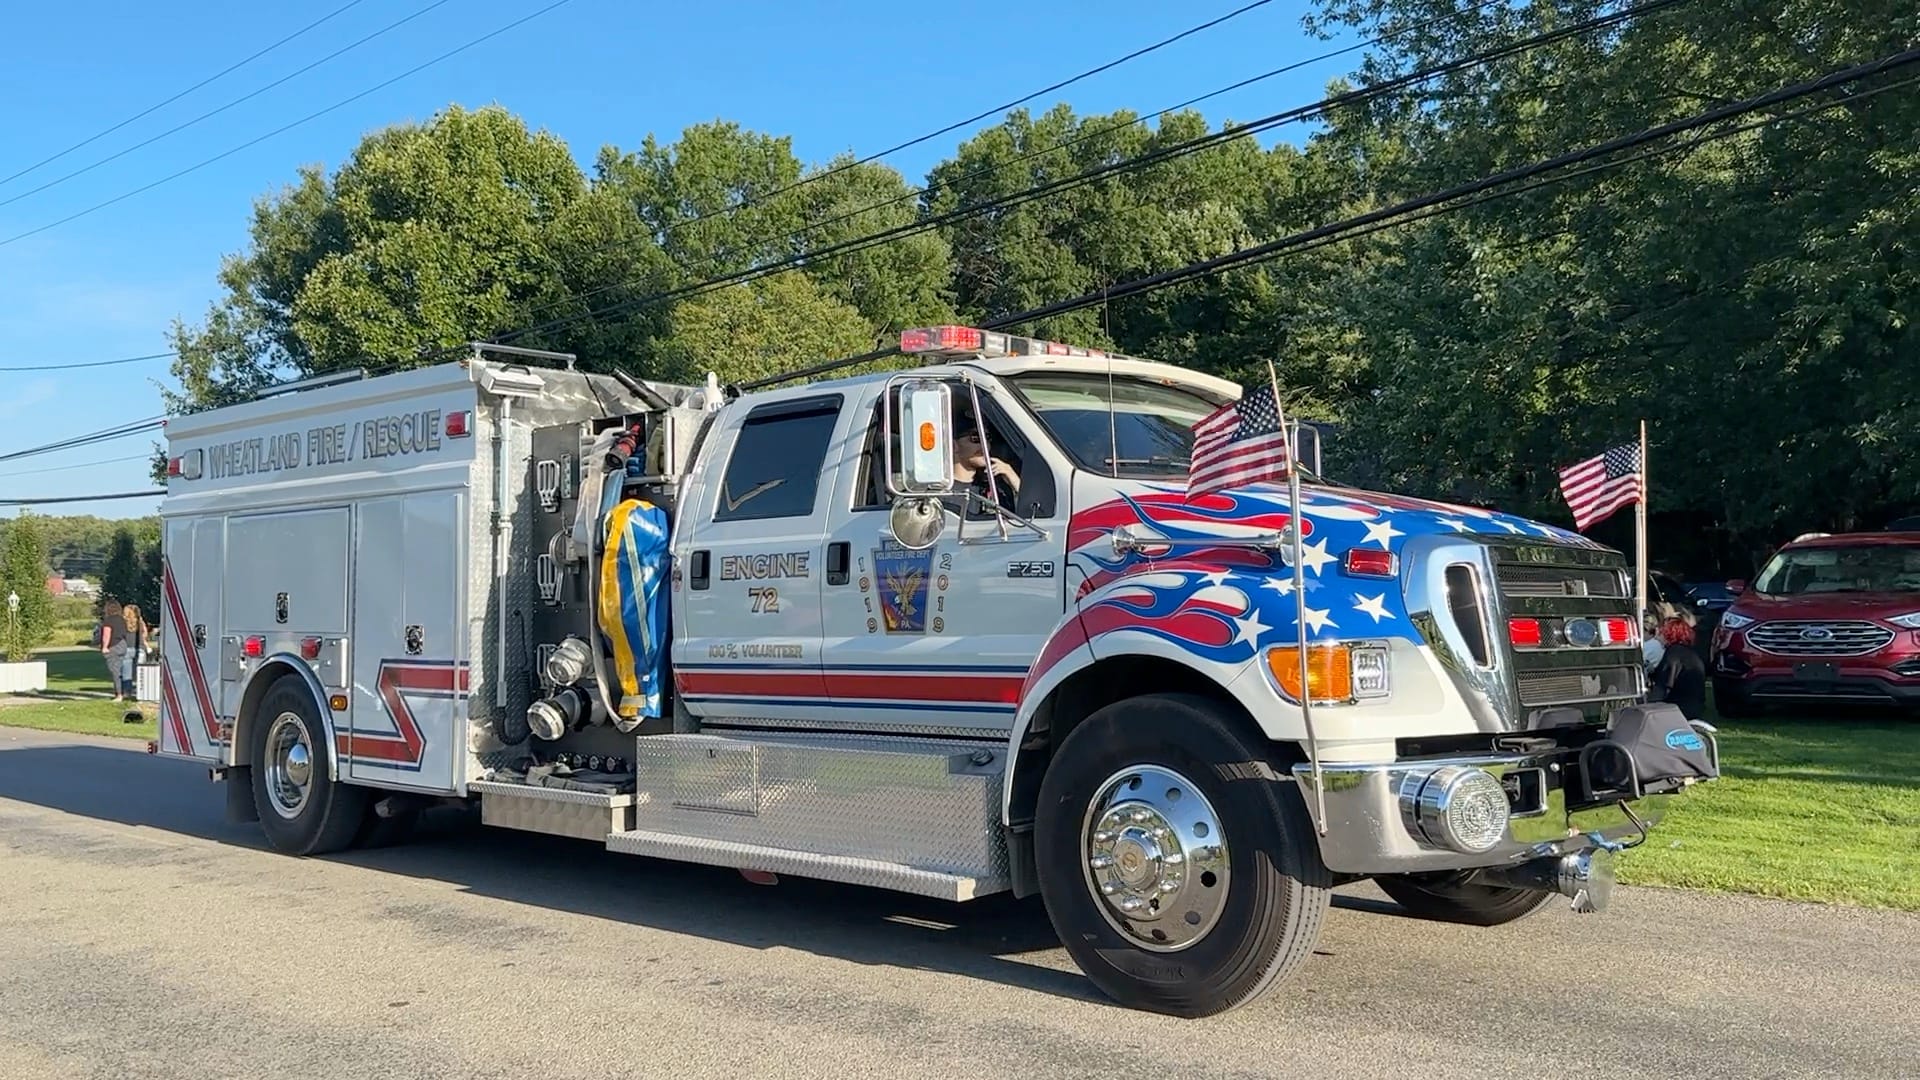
{"x":1911,"y":620}
{"x":1733,"y":621}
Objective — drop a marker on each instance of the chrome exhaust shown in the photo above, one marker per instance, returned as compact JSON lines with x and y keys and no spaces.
{"x":1584,"y":877}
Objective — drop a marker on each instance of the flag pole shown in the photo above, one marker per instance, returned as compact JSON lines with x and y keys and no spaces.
{"x":1291,"y":433}
{"x":1640,"y":530}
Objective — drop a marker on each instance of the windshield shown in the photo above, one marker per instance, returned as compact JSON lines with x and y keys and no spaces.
{"x":1857,"y":569}
{"x":1151,"y":424}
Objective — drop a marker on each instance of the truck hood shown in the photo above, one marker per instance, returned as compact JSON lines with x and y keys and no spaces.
{"x":1337,"y":519}
{"x":1865,"y":605}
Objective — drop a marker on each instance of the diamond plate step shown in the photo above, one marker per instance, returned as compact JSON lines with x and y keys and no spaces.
{"x":842,"y":868}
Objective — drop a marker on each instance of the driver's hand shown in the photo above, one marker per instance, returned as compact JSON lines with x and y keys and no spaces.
{"x":1004,"y":472}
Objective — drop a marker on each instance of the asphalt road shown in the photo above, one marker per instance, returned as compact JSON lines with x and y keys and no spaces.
{"x":141,"y":937}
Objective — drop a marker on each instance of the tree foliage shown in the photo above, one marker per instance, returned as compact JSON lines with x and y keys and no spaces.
{"x":1749,"y":297}
{"x":23,"y":573}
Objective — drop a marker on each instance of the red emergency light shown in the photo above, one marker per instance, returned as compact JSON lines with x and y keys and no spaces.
{"x":186,"y":466}
{"x":942,"y":339}
{"x":310,"y":648}
{"x":1524,"y":633}
{"x":1366,"y":562}
{"x":1617,"y":631}
{"x":253,"y":648}
{"x":458,"y":425}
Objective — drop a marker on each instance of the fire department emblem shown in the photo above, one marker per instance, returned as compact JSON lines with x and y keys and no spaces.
{"x":904,"y":577}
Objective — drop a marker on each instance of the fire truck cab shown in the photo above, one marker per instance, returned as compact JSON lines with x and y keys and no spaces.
{"x":953,"y":630}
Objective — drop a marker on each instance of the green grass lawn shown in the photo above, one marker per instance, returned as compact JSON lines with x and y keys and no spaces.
{"x":78,"y":699}
{"x":1806,"y":809}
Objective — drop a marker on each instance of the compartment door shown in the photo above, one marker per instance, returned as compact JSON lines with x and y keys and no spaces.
{"x":407,"y":724}
{"x":190,"y":624}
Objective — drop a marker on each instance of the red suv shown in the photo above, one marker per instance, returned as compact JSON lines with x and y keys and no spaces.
{"x":1831,"y":619}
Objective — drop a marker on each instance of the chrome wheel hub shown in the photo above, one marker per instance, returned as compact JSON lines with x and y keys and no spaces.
{"x":289,"y":765}
{"x":1156,"y":858}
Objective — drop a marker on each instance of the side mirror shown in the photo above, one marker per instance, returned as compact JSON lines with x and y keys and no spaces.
{"x":1702,"y":602}
{"x":923,"y":416}
{"x":1737,"y":586}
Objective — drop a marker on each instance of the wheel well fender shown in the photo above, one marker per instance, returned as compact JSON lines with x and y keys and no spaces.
{"x":1079,"y":695}
{"x":270,"y":671}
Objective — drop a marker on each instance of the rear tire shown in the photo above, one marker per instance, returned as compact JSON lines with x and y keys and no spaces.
{"x":1451,"y":898}
{"x":303,"y":810}
{"x":1209,"y":931}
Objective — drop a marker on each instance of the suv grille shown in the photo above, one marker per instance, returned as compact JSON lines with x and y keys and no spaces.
{"x":1807,"y":637}
{"x":1517,"y":579}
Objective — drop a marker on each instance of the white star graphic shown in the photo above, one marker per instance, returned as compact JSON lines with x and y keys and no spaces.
{"x":1281,"y":585}
{"x":1218,"y":577}
{"x":1545,"y":530}
{"x":1375,"y":606}
{"x":1382,"y":532}
{"x":1314,"y":556}
{"x":1250,"y":629}
{"x":1452,"y":523}
{"x":1317,"y":620}
{"x":1507,"y":525}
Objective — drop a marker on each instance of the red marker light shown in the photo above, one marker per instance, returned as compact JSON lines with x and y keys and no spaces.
{"x":1616,"y":631}
{"x":1524,"y":633}
{"x":310,"y":648}
{"x":173,"y":467}
{"x":458,"y":425}
{"x":253,"y":648}
{"x":1366,"y":562}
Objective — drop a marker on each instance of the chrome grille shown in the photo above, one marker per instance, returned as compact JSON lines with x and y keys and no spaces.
{"x":1518,"y":579}
{"x":1576,"y":686}
{"x":1819,"y":637}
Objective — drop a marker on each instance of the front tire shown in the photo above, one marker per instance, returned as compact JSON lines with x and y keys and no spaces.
{"x":1180,"y":872}
{"x":1453,"y":898}
{"x":303,"y":810}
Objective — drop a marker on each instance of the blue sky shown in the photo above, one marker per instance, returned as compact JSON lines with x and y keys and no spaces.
{"x":856,"y":75}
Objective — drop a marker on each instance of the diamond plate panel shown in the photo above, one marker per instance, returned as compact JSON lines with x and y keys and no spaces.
{"x":584,"y":815}
{"x":852,"y":871}
{"x":923,"y":806}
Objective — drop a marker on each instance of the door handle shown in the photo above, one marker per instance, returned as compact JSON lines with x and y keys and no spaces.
{"x":839,"y":556}
{"x":697,"y":571}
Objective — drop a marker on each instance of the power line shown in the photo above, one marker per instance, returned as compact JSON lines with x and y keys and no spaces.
{"x":1127,"y":165}
{"x":1449,"y":200}
{"x":92,"y":363}
{"x":82,"y":465}
{"x":222,"y":73}
{"x":121,"y":431}
{"x":148,"y":494}
{"x":976,"y":118}
{"x":1030,"y":155}
{"x":924,"y":226}
{"x":215,"y":112}
{"x":416,"y":69}
{"x":1263,"y":252}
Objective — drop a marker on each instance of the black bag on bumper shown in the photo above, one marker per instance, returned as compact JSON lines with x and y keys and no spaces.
{"x":1649,"y":749}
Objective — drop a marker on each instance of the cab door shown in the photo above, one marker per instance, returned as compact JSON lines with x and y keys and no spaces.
{"x":939,"y":641}
{"x":748,"y":573}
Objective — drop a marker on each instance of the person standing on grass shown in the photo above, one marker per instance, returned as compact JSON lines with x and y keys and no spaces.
{"x":1681,"y":676}
{"x":113,"y":641}
{"x":136,"y":628}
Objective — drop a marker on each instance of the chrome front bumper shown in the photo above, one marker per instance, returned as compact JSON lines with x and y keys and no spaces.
{"x":1368,"y":833}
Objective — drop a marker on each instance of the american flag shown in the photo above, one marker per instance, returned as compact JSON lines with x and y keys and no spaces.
{"x":1243,"y":442}
{"x":1600,"y":485}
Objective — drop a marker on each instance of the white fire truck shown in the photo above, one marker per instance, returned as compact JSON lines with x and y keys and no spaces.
{"x":954,"y":630}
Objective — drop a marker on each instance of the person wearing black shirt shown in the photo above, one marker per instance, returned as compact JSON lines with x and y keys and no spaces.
{"x":972,"y":468}
{"x":1681,"y":676}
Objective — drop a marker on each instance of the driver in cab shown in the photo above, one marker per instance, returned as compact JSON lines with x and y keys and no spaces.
{"x":972,"y":466}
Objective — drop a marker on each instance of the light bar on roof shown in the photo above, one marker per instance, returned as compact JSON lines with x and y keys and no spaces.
{"x":972,"y":341}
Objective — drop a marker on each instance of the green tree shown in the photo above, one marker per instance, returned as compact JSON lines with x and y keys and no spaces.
{"x":23,"y":573}
{"x":120,"y":579}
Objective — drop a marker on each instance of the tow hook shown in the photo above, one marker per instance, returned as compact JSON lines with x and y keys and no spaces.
{"x":1584,"y":877}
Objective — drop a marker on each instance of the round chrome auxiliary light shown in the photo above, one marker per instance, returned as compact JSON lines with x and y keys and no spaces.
{"x":1455,"y":806}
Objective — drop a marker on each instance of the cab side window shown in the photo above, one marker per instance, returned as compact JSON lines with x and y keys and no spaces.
{"x":1036,"y":494}
{"x":774,"y":470}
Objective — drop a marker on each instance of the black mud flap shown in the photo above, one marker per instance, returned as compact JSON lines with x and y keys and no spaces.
{"x":238,"y":781}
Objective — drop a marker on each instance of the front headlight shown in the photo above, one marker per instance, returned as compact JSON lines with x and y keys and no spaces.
{"x":1734,"y":621}
{"x":1911,"y":621}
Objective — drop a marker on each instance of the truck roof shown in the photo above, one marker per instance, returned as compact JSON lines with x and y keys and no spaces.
{"x":1855,"y":540}
{"x":1218,"y":389}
